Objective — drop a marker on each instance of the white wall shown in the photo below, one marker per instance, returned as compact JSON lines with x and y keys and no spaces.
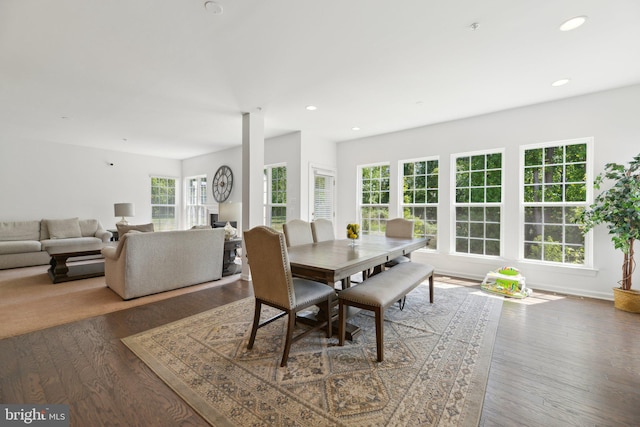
{"x":316,"y":152}
{"x":286,"y":149}
{"x":46,"y":180}
{"x":610,"y":117}
{"x":208,"y":164}
{"x":297,"y":150}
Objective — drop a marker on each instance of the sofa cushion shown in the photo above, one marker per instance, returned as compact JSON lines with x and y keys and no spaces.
{"x":88,"y":227}
{"x":19,"y":247}
{"x":63,"y":228}
{"x":69,"y":241}
{"x":19,"y":230}
{"x":123,"y":229}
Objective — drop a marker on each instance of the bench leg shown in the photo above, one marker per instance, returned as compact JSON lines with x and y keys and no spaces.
{"x":379,"y":332}
{"x":342,"y":321}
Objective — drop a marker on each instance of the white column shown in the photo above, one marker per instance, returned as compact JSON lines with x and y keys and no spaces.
{"x":252,"y":175}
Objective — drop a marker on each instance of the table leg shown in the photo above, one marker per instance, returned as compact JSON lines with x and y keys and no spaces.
{"x":59,"y":268}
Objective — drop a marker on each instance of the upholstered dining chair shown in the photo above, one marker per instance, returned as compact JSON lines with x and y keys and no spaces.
{"x":297,"y":232}
{"x":322,"y":230}
{"x":403,"y":228}
{"x":273,"y":285}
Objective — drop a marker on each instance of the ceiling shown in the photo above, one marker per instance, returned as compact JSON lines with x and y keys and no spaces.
{"x":171,"y":78}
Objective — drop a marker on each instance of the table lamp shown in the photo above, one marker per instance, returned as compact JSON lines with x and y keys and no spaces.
{"x":230,"y":212}
{"x":123,"y":210}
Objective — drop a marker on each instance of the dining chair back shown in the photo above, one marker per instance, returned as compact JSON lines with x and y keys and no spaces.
{"x":297,"y":232}
{"x":403,"y":228}
{"x":322,"y":230}
{"x":274,"y":285}
{"x":399,"y":227}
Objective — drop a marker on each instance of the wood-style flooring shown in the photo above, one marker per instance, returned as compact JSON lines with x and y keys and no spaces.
{"x":557,"y":361}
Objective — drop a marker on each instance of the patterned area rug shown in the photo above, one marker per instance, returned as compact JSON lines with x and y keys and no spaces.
{"x":437,"y":359}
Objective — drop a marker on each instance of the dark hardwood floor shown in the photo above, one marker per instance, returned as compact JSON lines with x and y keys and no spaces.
{"x":557,"y":361}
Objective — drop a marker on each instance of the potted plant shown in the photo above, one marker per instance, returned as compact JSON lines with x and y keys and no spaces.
{"x":619,"y":208}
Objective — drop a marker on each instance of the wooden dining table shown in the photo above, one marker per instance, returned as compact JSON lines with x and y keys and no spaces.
{"x":334,"y":261}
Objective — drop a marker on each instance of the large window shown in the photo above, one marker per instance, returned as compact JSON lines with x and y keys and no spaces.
{"x":196,"y":201}
{"x":275,"y":196}
{"x":374,"y":198}
{"x":420,"y":197}
{"x":554,"y":193}
{"x":163,"y":203}
{"x":478,"y":203}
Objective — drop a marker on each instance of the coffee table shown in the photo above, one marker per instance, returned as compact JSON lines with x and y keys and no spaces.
{"x":61,"y":272}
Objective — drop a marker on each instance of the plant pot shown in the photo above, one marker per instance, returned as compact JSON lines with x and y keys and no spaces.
{"x":626,"y":300}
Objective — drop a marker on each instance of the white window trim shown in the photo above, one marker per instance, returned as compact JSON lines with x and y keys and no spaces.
{"x":454,"y":204}
{"x":400,"y":192}
{"x":267,"y":194}
{"x":359,"y":188}
{"x":588,"y":239}
{"x":185,"y":197}
{"x":178,"y":207}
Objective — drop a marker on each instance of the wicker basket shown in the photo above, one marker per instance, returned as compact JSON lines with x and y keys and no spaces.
{"x":626,"y":300}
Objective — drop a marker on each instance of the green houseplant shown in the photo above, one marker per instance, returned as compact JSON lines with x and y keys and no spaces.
{"x":619,"y":208}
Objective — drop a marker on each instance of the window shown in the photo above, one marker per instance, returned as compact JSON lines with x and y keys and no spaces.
{"x":275,"y":196}
{"x":196,"y":200}
{"x":554,"y":189}
{"x":478,"y":203}
{"x":374,"y":199}
{"x":420,"y":198}
{"x":323,"y":188}
{"x":163,"y":203}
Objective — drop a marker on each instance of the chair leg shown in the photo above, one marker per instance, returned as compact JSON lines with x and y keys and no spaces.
{"x":431,"y":289}
{"x":342,"y":320}
{"x":256,"y":322}
{"x":379,"y":332}
{"x":287,"y":343}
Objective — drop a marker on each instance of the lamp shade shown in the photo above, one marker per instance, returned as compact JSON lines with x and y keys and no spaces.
{"x":230,"y":212}
{"x":124,"y":209}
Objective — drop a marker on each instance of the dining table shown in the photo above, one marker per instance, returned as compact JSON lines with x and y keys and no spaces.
{"x":335,"y":261}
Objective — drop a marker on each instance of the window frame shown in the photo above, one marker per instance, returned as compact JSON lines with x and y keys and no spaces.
{"x":175,"y":205}
{"x":588,"y":239}
{"x":402,"y":205}
{"x":360,"y":205}
{"x":201,"y":205}
{"x":268,"y":203}
{"x":455,"y":204}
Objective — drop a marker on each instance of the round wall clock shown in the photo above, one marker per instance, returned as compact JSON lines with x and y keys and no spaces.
{"x":222,"y":183}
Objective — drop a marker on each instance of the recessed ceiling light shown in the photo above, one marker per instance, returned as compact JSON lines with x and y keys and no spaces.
{"x":560,"y":82}
{"x":355,"y":128}
{"x":573,"y":23}
{"x":213,"y":8}
{"x":311,"y":107}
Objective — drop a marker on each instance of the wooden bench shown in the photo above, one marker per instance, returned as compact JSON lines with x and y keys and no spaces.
{"x":379,"y":292}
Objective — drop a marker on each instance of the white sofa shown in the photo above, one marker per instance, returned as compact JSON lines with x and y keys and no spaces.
{"x":25,"y":243}
{"x":148,"y":263}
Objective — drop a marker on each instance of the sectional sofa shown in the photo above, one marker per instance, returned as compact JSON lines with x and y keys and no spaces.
{"x":25,"y":243}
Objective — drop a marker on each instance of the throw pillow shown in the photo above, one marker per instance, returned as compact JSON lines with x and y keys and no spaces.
{"x":123,"y":229}
{"x":89,"y":227}
{"x":64,"y":228}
